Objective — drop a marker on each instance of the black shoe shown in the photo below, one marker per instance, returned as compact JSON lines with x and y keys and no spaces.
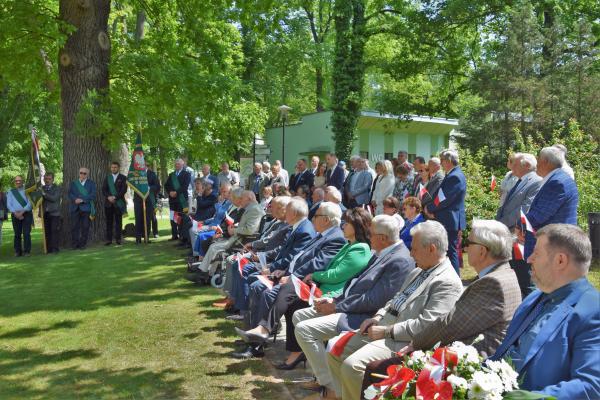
{"x":118,"y":242}
{"x":288,"y":367}
{"x":18,"y":254}
{"x":251,"y":337}
{"x":235,"y":317}
{"x":196,"y":277}
{"x":108,"y":243}
{"x":26,"y":254}
{"x":250,"y":352}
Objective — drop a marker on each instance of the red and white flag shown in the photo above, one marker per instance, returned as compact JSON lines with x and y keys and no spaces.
{"x":493,"y":183}
{"x":336,"y":345}
{"x":526,"y":222}
{"x":266,"y":281}
{"x":228,"y":220}
{"x":439,"y":198}
{"x":219,"y":231}
{"x":519,"y":251}
{"x":242,"y":261}
{"x":306,"y":292}
{"x":422,"y":191}
{"x":177,"y":218}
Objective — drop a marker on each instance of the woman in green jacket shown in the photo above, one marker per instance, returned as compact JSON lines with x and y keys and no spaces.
{"x":351,"y":260}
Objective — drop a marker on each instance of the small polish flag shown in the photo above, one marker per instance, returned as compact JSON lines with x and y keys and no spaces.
{"x":422,"y":191}
{"x":439,"y":198}
{"x":219,"y":231}
{"x":242,"y":261}
{"x":336,"y":345}
{"x":526,"y":222}
{"x":266,"y":281}
{"x":228,"y":220}
{"x":519,"y":251}
{"x":199,"y":225}
{"x":493,"y":183}
{"x":304,"y":291}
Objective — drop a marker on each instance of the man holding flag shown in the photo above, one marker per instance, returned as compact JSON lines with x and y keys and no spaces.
{"x":51,"y":203}
{"x":19,"y":206}
{"x":115,"y":206}
{"x":176,"y":188}
{"x":448,"y":207}
{"x":144,"y":184}
{"x":82,"y":195}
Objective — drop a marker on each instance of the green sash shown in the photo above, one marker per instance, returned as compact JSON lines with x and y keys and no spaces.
{"x":113,"y":191}
{"x":83,"y":191}
{"x":180,"y":197}
{"x":18,"y":197}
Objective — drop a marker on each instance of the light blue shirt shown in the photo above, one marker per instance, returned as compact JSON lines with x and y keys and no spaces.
{"x":13,"y":205}
{"x":486,"y":270}
{"x":519,"y":350}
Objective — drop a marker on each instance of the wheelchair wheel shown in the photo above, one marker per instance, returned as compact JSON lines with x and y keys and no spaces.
{"x":217,"y":280}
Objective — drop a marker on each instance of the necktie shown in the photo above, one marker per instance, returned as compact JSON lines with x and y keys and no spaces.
{"x":509,"y":341}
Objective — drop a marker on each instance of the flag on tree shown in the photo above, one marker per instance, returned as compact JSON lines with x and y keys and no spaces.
{"x":137,"y":178}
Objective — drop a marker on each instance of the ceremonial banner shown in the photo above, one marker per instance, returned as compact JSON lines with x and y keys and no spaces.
{"x":33,"y":192}
{"x":137,"y":179}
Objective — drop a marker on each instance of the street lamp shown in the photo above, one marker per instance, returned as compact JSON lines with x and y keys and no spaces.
{"x":283,"y":110}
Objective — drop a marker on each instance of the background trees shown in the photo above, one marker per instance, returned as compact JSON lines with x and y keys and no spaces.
{"x":201,"y":78}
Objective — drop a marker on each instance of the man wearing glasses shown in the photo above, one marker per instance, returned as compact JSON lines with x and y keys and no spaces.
{"x":22,"y":218}
{"x":82,"y":194}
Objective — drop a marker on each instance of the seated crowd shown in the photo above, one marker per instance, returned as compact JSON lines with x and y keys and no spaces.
{"x":378,"y":253}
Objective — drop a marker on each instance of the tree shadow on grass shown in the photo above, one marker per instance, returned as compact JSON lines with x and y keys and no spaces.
{"x":266,"y":390}
{"x":18,"y":367}
{"x":33,"y":331}
{"x":95,"y":278}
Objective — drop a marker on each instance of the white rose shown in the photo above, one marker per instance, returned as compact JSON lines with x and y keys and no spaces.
{"x":370,"y":393}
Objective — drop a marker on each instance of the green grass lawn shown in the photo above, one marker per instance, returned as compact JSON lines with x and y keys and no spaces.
{"x":119,"y":323}
{"x":116,"y":323}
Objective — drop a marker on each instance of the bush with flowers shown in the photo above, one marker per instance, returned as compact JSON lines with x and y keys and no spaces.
{"x":448,"y":373}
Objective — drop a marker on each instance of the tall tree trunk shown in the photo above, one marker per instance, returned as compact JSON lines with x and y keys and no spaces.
{"x":83,"y":67}
{"x":319,"y":88}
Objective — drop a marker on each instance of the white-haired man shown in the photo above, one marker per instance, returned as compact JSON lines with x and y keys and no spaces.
{"x":362,"y":296}
{"x":428,"y":292}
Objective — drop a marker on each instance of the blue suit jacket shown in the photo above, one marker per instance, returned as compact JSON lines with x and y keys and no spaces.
{"x":90,"y":186}
{"x":451,"y":212}
{"x":336,"y":177}
{"x":405,"y":232}
{"x":295,"y":242}
{"x":374,"y":286}
{"x":556,"y":202}
{"x":564,"y":359}
{"x":307,"y":178}
{"x":361,"y":186}
{"x":319,"y":252}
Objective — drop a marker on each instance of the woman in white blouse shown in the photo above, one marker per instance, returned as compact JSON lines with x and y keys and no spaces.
{"x":384,"y":186}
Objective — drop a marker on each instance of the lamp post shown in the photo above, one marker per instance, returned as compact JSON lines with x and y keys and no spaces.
{"x":283,"y":110}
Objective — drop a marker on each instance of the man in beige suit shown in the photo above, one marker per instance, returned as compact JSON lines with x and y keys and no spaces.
{"x":429,"y":292}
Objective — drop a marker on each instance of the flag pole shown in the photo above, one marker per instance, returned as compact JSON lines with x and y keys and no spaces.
{"x":44,"y":244}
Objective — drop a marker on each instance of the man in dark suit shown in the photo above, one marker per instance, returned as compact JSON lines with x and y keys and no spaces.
{"x":138,"y":207}
{"x":115,"y":205}
{"x":362,"y":296}
{"x":448,"y":206}
{"x":318,"y":195}
{"x":302,"y":176}
{"x":51,"y":202}
{"x":257,"y":181}
{"x":554,"y":336}
{"x":557,"y":200}
{"x":177,"y":189}
{"x":518,"y":198}
{"x":302,"y":233}
{"x":82,"y":197}
{"x":314,"y":165}
{"x":315,"y":256}
{"x":335,"y":174}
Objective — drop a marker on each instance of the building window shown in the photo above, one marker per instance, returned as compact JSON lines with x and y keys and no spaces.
{"x":388,"y":156}
{"x":364,"y":154}
{"x":411,"y":158}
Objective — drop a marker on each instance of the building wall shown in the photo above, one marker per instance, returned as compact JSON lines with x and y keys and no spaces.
{"x":376,"y":136}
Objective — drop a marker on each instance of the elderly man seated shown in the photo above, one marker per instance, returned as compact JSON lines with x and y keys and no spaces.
{"x":333,"y":195}
{"x":554,"y":337}
{"x":315,"y":256}
{"x":362,"y":296}
{"x":429,"y":292}
{"x":247,"y":226}
{"x":485,"y":307}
